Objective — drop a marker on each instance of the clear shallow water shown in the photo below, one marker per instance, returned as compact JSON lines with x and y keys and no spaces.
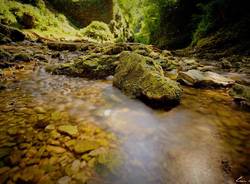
{"x":203,"y":140}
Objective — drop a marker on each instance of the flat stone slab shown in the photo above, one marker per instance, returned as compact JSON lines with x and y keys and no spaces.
{"x":198,"y":78}
{"x":68,"y":129}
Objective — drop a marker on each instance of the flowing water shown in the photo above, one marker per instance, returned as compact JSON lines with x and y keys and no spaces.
{"x":204,"y":140}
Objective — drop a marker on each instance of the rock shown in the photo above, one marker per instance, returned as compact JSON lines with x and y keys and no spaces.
{"x":96,"y":66}
{"x":60,"y":46}
{"x":197,"y":78}
{"x":68,"y":130}
{"x":241,"y":95}
{"x":4,"y":152}
{"x":84,"y":146}
{"x":4,"y":55}
{"x":50,"y":127}
{"x":13,"y":131}
{"x":41,"y":124}
{"x":40,"y":110}
{"x":2,"y":86}
{"x":76,"y":166}
{"x":27,"y":21}
{"x":22,"y":57}
{"x":13,"y":33}
{"x":30,"y":174}
{"x":55,"y":149}
{"x":15,"y":157}
{"x":141,"y":77}
{"x":64,"y":180}
{"x":225,"y":64}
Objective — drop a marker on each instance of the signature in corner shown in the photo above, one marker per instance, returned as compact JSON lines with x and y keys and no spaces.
{"x":241,"y":179}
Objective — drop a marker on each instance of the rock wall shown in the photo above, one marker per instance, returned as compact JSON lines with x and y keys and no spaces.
{"x":83,"y":12}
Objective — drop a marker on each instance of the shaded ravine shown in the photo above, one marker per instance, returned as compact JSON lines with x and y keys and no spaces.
{"x":203,"y":140}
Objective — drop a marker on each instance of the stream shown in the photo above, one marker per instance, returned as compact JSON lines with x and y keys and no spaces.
{"x":204,"y":140}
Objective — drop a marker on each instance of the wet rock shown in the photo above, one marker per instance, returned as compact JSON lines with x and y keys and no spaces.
{"x":241,"y":95}
{"x":22,"y":57}
{"x":141,"y":77}
{"x":225,"y":64}
{"x":60,"y":46}
{"x":13,"y":33}
{"x":96,"y":66}
{"x":4,"y":170}
{"x":4,"y":152}
{"x":41,"y":124}
{"x":81,"y":177}
{"x":15,"y":157}
{"x":68,"y":130}
{"x":4,"y":55}
{"x":76,"y":166}
{"x":50,"y":128}
{"x":64,"y":180}
{"x":13,"y":131}
{"x":198,"y":78}
{"x":40,"y":110}
{"x":41,"y":57}
{"x":30,"y":174}
{"x":54,"y":134}
{"x":2,"y":87}
{"x":55,"y":149}
{"x":27,"y":21}
{"x":4,"y":39}
{"x":85,"y":146}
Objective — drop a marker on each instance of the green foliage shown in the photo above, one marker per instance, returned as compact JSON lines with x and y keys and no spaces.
{"x":47,"y":23}
{"x":98,"y":31}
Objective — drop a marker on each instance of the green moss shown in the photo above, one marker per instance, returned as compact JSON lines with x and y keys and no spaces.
{"x":46,"y":23}
{"x":22,"y":57}
{"x":93,"y":67}
{"x":141,"y":77}
{"x":98,"y":31}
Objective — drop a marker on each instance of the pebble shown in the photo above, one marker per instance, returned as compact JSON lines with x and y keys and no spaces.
{"x":85,"y":146}
{"x":64,"y":180}
{"x":55,"y":149}
{"x":68,"y":130}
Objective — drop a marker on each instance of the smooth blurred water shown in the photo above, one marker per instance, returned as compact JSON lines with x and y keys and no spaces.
{"x":204,"y":140}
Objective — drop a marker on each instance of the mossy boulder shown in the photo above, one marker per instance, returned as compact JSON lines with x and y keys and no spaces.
{"x":95,"y":66}
{"x":13,"y":33}
{"x":141,"y":77}
{"x":98,"y":31}
{"x":241,"y":95}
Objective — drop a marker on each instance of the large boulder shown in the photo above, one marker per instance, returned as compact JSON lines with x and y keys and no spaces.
{"x":141,"y":77}
{"x":198,"y":78}
{"x":241,"y":95}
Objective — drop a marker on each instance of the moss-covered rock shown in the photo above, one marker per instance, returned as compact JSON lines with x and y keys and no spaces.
{"x":60,"y":46}
{"x":141,"y":77}
{"x":27,"y":20}
{"x":98,"y":31}
{"x":241,"y":95}
{"x":13,"y":33}
{"x":95,"y":66}
{"x":22,"y":57}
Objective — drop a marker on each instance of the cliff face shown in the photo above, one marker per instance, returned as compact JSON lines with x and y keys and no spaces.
{"x":83,"y":12}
